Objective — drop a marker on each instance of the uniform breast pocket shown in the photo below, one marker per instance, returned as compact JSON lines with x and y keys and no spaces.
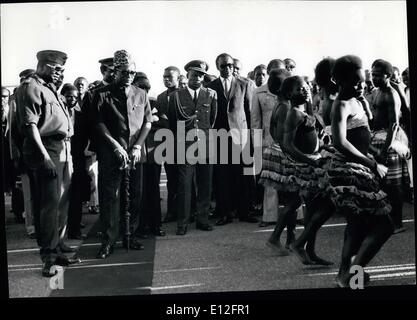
{"x":51,"y":108}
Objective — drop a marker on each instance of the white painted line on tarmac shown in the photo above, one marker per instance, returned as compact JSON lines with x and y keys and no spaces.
{"x":394,"y":275}
{"x":375,"y":269}
{"x":89,"y":266}
{"x":109,"y":265}
{"x":189,"y":269}
{"x":171,"y":287}
{"x":324,"y":226}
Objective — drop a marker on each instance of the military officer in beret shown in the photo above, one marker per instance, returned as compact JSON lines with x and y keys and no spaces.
{"x":46,"y":126}
{"x":122,"y":116}
{"x":195,"y":107}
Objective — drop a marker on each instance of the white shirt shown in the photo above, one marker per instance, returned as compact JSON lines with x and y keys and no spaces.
{"x":191,"y":91}
{"x":229,"y":83}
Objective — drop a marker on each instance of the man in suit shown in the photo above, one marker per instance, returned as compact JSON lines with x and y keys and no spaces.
{"x":195,"y":108}
{"x":171,"y":81}
{"x":233,"y":112}
{"x":122,"y":120}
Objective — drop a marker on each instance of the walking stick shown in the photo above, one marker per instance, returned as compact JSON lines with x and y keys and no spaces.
{"x":125,"y":194}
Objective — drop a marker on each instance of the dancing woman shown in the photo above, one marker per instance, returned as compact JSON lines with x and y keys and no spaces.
{"x":295,"y":167}
{"x":354,"y":176}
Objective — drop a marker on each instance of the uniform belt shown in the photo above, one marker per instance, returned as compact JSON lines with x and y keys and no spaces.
{"x":57,"y":138}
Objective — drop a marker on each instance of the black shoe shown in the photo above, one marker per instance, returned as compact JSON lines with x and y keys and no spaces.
{"x":248,"y":219}
{"x":32,"y":235}
{"x":301,"y":222}
{"x":263,"y":224}
{"x":46,"y":269}
{"x":105,"y":251}
{"x":224,"y":220}
{"x":79,"y":236}
{"x":66,"y":249}
{"x":134,"y":244}
{"x":159,"y":232}
{"x":181,"y":231}
{"x":399,"y":230}
{"x":204,"y":226}
{"x":62,"y":260}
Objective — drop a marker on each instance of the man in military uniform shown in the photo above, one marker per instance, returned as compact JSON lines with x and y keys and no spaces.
{"x":46,"y":126}
{"x":194,"y":106}
{"x":123,"y":118}
{"x":171,"y":78}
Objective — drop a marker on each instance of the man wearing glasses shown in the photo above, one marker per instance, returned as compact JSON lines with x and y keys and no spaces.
{"x":234,"y":103}
{"x":46,"y":126}
{"x":123,"y":119}
{"x":290,"y":65}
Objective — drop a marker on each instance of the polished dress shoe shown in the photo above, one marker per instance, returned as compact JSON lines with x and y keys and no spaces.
{"x":204,"y":226}
{"x":159,"y":232}
{"x":105,"y":251}
{"x":224,"y":220}
{"x":46,"y":269}
{"x":66,"y":249}
{"x":181,"y":231}
{"x":248,"y":219}
{"x":134,"y":244}
{"x":62,"y":260}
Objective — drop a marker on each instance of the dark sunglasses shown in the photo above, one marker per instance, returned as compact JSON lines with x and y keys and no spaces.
{"x":228,"y":65}
{"x":127,"y":72}
{"x":56,"y":68}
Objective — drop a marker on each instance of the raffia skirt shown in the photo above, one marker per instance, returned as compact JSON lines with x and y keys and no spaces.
{"x":287,"y":175}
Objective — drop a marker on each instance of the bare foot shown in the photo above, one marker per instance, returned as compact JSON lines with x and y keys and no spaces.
{"x":301,"y":254}
{"x":278,"y":248}
{"x":318,"y":261}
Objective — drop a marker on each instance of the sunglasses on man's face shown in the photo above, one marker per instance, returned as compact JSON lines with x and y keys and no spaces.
{"x":226,"y":65}
{"x":125,"y":73}
{"x":291,"y":66}
{"x":56,"y":68}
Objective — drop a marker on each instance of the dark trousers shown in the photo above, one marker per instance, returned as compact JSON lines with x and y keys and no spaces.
{"x":112,"y":196}
{"x":80,"y":186}
{"x":232,"y":186}
{"x":150,"y":212}
{"x":172,"y":185}
{"x":50,"y":205}
{"x":203,"y":176}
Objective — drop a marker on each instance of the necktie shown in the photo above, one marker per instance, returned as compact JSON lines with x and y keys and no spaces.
{"x":226,"y":90}
{"x":195,"y":97}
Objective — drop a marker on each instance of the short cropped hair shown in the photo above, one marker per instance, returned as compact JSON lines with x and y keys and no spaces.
{"x":288,"y":85}
{"x":276,"y":79}
{"x":68,"y":87}
{"x":275,"y":63}
{"x":172,"y":68}
{"x":385,"y":66}
{"x":259,"y":67}
{"x":223,"y":55}
{"x":345,"y":67}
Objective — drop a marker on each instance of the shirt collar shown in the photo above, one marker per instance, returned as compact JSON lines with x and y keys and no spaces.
{"x":191,"y":91}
